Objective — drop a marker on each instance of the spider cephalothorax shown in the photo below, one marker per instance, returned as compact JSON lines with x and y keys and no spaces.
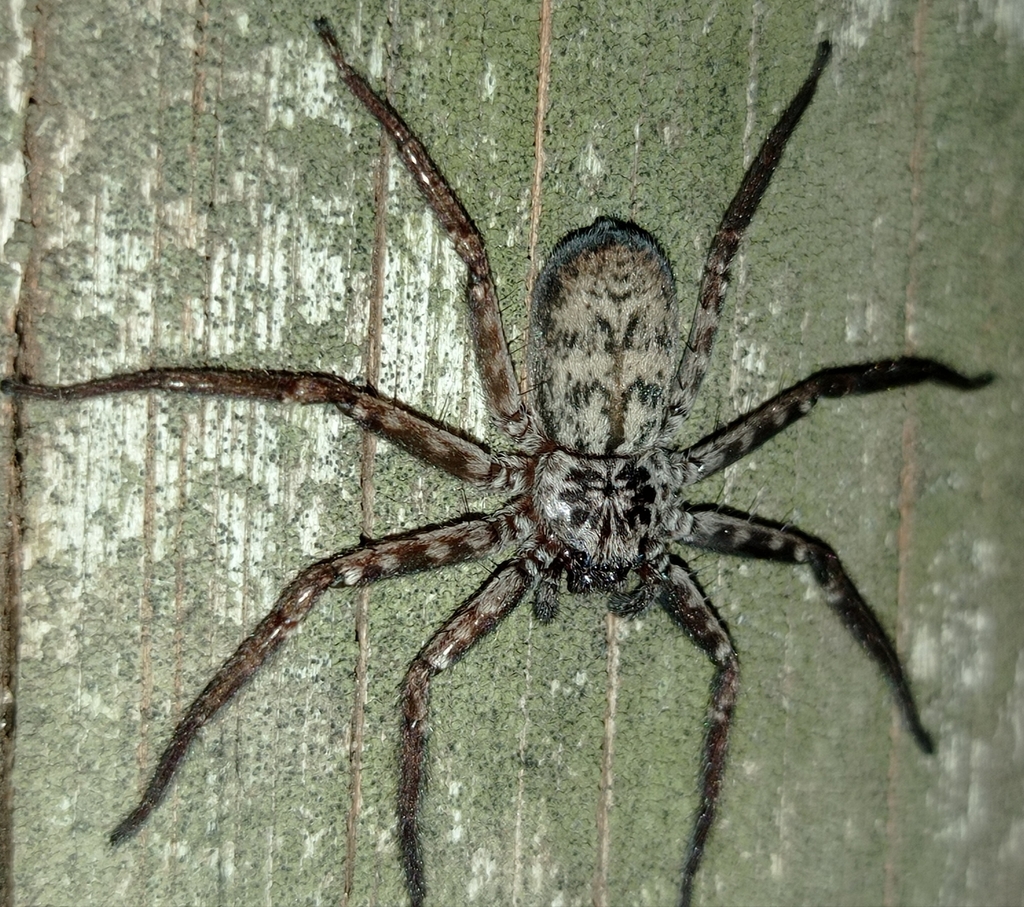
{"x":599,"y":517}
{"x":594,"y":485}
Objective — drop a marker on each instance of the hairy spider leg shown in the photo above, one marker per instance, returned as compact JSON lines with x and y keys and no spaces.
{"x":477,"y":617}
{"x":466,"y":539}
{"x":510,"y":410}
{"x":732,"y":532}
{"x":695,"y":359}
{"x":740,"y":534}
{"x":425,"y":438}
{"x":751,"y":430}
{"x":687,"y":605}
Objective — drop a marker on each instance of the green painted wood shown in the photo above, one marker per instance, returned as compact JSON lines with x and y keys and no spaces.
{"x":200,"y":191}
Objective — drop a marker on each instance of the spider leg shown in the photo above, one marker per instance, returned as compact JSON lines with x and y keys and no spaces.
{"x":510,"y":410}
{"x":752,"y":429}
{"x":731,"y":532}
{"x":422,"y":437}
{"x":686,"y":604}
{"x":419,"y":550}
{"x":697,"y":355}
{"x":481,"y":614}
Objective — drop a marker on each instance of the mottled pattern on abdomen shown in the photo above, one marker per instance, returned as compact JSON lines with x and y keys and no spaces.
{"x":604,"y":339}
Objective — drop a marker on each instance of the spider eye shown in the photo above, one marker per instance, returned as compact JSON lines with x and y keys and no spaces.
{"x":583,"y":576}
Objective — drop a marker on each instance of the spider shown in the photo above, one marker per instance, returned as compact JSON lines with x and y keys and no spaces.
{"x":594,"y":484}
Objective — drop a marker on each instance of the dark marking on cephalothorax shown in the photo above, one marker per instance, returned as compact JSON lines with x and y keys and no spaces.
{"x":599,"y":514}
{"x":604,"y":339}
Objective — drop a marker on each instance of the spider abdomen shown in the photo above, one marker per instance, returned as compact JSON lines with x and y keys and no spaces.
{"x":604,"y":339}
